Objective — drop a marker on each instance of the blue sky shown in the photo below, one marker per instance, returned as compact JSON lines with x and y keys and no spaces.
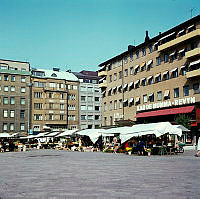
{"x":80,"y":34}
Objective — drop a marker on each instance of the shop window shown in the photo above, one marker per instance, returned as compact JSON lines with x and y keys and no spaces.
{"x":176,"y":92}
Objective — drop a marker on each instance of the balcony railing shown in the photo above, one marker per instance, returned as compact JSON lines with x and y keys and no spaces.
{"x":193,"y":73}
{"x":179,"y":40}
{"x":192,"y":53}
{"x":102,"y":73}
{"x":103,"y":84}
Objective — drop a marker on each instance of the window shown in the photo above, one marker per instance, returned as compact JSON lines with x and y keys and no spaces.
{"x":50,"y":116}
{"x":159,"y":95}
{"x":97,"y":99}
{"x":83,"y":107}
{"x":125,"y":72}
{"x":175,"y":73}
{"x":196,"y":88}
{"x":83,"y":98}
{"x":5,"y":126}
{"x":125,"y":59}
{"x":90,"y":108}
{"x":22,"y":114}
{"x":72,"y":117}
{"x":12,"y":78}
{"x":115,"y":105}
{"x":145,"y":98}
{"x":83,"y":117}
{"x":176,"y":92}
{"x":120,"y":74}
{"x":5,"y":100}
{"x":150,"y":48}
{"x":12,"y":127}
{"x":143,"y":82}
{"x":52,"y":85}
{"x":12,"y":100}
{"x":71,"y":97}
{"x":61,"y":117}
{"x":193,"y":45}
{"x":90,"y":89}
{"x":166,"y":75}
{"x":6,"y":88}
{"x":62,"y":95}
{"x":150,"y":80}
{"x":22,"y":126}
{"x":23,"y":79}
{"x":97,"y":117}
{"x":83,"y":88}
{"x":62,"y":106}
{"x":5,"y":77}
{"x":50,"y":95}
{"x":183,"y":71}
{"x":51,"y":105}
{"x":72,"y":107}
{"x":158,"y":78}
{"x":151,"y":97}
{"x":5,"y":113}
{"x":38,"y":106}
{"x":111,"y":106}
{"x":120,"y":103}
{"x":115,"y":77}
{"x":143,"y":51}
{"x":131,"y":56}
{"x":186,"y":91}
{"x":0,"y":77}
{"x":12,"y":113}
{"x":166,"y":58}
{"x":105,"y":106}
{"x":12,"y":88}
{"x":37,"y":94}
{"x":158,"y":60}
{"x":23,"y":89}
{"x":38,"y":84}
{"x":22,"y":101}
{"x":110,"y":78}
{"x":131,"y":70}
{"x":90,"y":99}
{"x":90,"y":117}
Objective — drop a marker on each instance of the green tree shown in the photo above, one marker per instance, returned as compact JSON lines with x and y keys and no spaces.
{"x":184,"y":120}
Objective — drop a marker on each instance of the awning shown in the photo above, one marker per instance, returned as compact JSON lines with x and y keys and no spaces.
{"x":165,"y":73}
{"x":52,"y":134}
{"x":131,"y":100}
{"x":150,"y":95}
{"x":182,"y":50}
{"x":137,"y":99}
{"x":149,"y":62}
{"x":119,"y":87}
{"x":109,"y":90}
{"x":144,"y":78}
{"x":167,"y":36}
{"x":131,"y":84}
{"x":149,"y":77}
{"x":194,"y":62}
{"x":103,"y":92}
{"x":166,"y":94}
{"x":125,"y":100}
{"x":170,"y":111}
{"x":173,"y":70}
{"x":102,"y":67}
{"x":114,"y":88}
{"x":156,"y":43}
{"x":181,"y":31}
{"x":102,"y":79}
{"x":190,"y":26}
{"x":136,"y":82}
{"x":136,"y":67}
{"x":183,"y":67}
{"x":125,"y":85}
{"x":157,"y":75}
{"x":172,"y":53}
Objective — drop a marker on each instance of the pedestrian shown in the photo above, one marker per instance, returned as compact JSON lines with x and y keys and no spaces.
{"x":198,"y":148}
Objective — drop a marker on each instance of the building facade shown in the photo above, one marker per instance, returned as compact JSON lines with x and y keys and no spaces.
{"x":55,"y":96}
{"x":156,"y":80}
{"x":90,"y":100}
{"x":14,"y":97}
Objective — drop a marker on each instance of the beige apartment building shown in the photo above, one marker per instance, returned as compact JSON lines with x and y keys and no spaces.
{"x":14,"y":97}
{"x":156,"y":80}
{"x":55,"y":100}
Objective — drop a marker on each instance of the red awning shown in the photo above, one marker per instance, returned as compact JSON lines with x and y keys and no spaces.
{"x":169,"y":111}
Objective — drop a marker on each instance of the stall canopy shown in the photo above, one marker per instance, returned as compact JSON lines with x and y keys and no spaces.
{"x":157,"y":129}
{"x":5,"y":135}
{"x":184,"y":129}
{"x":66,"y":133}
{"x":92,"y":133}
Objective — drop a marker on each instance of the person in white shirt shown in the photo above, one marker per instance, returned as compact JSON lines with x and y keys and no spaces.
{"x":198,"y":148}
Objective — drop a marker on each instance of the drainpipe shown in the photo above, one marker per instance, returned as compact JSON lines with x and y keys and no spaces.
{"x":123,"y":87}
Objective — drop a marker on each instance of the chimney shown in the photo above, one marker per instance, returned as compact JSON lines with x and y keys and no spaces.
{"x":147,"y":36}
{"x":130,"y":47}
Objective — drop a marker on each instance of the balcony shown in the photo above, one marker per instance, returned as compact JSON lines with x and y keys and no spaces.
{"x":102,"y":73}
{"x":103,"y":84}
{"x":194,"y":73}
{"x":179,"y":40}
{"x":192,"y":53}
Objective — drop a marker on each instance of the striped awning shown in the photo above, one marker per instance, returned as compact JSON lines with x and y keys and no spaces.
{"x":149,"y":62}
{"x":173,"y":70}
{"x":165,"y":73}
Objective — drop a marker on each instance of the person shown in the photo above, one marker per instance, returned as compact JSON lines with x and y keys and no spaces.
{"x":198,"y":148}
{"x":140,"y":147}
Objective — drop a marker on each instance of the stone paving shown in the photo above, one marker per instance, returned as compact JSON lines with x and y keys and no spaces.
{"x":42,"y":174}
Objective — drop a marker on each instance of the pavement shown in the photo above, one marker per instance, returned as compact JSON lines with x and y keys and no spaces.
{"x":52,"y":174}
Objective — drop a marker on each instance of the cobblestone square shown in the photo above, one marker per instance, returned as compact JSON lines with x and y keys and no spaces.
{"x":53,"y":174}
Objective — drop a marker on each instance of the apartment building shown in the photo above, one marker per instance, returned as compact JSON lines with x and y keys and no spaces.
{"x":156,"y":80}
{"x":54,"y":95}
{"x":89,"y":99}
{"x":14,"y":97}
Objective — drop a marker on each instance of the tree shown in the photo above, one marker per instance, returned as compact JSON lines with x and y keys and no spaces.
{"x":184,"y":120}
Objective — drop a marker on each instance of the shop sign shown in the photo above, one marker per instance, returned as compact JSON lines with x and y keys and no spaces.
{"x":168,"y":103}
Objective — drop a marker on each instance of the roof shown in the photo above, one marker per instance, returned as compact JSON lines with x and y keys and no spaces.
{"x":156,"y":38}
{"x":57,"y":74}
{"x":87,"y":74}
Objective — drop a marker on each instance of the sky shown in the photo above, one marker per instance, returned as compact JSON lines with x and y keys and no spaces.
{"x":81,"y":34}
